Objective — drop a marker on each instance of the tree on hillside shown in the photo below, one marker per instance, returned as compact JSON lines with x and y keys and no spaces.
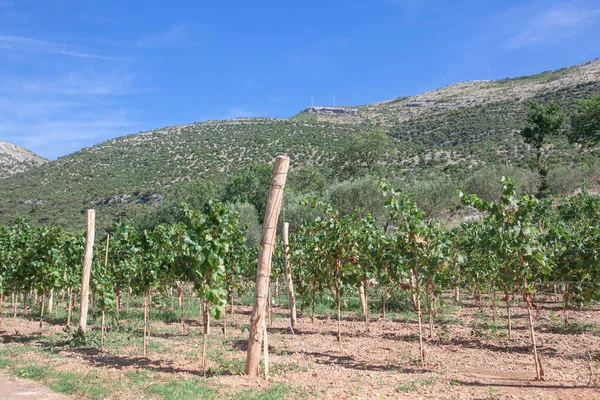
{"x":542,"y":122}
{"x":363,"y":152}
{"x":585,"y":123}
{"x":250,"y":185}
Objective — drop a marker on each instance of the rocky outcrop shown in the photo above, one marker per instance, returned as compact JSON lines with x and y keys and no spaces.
{"x":15,"y":159}
{"x":323,"y":110}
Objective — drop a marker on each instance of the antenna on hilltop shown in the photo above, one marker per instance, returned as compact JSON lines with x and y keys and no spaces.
{"x":334,"y":100}
{"x":312,"y":102}
{"x":489,"y":74}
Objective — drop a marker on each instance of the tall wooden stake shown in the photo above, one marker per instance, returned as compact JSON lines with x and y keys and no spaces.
{"x":71,"y":301}
{"x":14,"y":305}
{"x":266,"y":353}
{"x":288,"y":275}
{"x":87,"y":269}
{"x":51,"y":301}
{"x":103,"y":336}
{"x":263,"y":271}
{"x":146,"y":323}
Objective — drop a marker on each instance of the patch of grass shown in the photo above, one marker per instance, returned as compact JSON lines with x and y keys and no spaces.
{"x":414,"y":384}
{"x":574,"y":328}
{"x":493,"y":394}
{"x":35,"y":372}
{"x":181,"y":389}
{"x":88,"y":384}
{"x":275,"y":392}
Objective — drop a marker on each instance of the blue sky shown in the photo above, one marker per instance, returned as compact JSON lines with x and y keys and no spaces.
{"x":75,"y":73}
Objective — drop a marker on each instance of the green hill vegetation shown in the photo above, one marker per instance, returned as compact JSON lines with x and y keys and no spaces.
{"x":461,"y":136}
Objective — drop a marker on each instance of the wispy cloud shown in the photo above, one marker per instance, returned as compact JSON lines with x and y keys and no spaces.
{"x":173,"y":36}
{"x":52,"y":129}
{"x":56,"y":115}
{"x":558,"y":22}
{"x":20,"y":43}
{"x":76,"y":84}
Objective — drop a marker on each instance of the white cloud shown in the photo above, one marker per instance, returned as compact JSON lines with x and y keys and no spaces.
{"x":63,"y":132}
{"x":174,"y":36}
{"x":54,"y":116}
{"x":20,"y":43}
{"x":73,"y":84}
{"x":556,"y":23}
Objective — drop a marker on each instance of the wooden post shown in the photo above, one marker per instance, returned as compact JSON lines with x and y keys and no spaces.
{"x":71,"y":301}
{"x":263,"y":271}
{"x":42,"y":314}
{"x":51,"y":301}
{"x":14,"y":304}
{"x":288,"y":275}
{"x":361,"y":298}
{"x":182,"y":304}
{"x":103,"y":337}
{"x":87,"y":269}
{"x":146,"y":323}
{"x":266,"y":353}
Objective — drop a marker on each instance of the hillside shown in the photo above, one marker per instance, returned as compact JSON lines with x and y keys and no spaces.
{"x":15,"y":159}
{"x":452,"y":131}
{"x":465,"y":95}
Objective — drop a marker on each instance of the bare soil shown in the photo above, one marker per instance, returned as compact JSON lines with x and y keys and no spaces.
{"x":466,"y":358}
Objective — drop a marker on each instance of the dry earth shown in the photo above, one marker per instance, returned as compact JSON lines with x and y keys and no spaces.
{"x":466,"y":359}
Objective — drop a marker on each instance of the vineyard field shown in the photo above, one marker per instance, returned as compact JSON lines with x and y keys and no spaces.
{"x":469,"y":357}
{"x":503,"y":305}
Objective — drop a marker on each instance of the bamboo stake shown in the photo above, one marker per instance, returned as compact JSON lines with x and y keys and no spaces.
{"x":205,"y":330}
{"x":314,"y":299}
{"x":225,"y":321}
{"x":508,"y":315}
{"x":87,"y":267}
{"x":118,"y":305}
{"x":383,"y":298}
{"x":539,"y":371}
{"x":421,"y":349}
{"x":103,"y":334}
{"x":146,"y":324}
{"x":14,"y":305}
{"x":60,"y":297}
{"x":1,"y":311}
{"x":182,"y":304}
{"x":430,"y":310}
{"x":71,"y":301}
{"x":364,"y":285}
{"x":288,"y":275}
{"x":263,"y":271}
{"x":42,"y":313}
{"x":338,"y":296}
{"x":103,"y":337}
{"x":494,"y":304}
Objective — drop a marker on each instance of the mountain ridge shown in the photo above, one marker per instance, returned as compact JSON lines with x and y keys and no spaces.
{"x":15,"y":159}
{"x":451,"y":131}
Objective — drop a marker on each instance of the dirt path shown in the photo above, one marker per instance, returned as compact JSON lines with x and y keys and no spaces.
{"x":17,"y":389}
